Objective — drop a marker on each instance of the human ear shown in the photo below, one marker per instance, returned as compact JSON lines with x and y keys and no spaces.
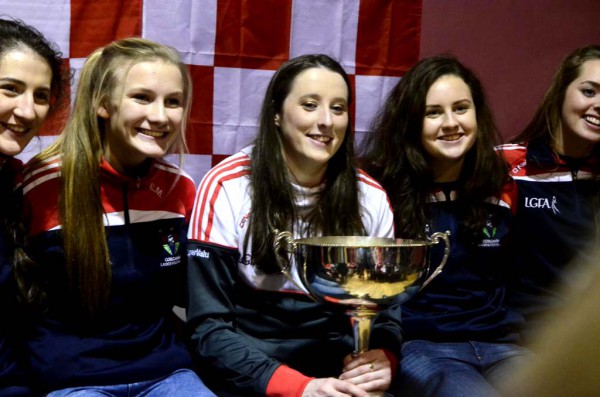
{"x":102,"y":112}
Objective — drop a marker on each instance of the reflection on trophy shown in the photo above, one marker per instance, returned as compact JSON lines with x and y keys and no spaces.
{"x":363,"y":273}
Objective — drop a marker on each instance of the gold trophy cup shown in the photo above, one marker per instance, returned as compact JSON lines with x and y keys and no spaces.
{"x":365,"y":274}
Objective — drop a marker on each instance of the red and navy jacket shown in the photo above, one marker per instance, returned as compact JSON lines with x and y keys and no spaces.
{"x":259,"y":334}
{"x":467,"y":300}
{"x":133,"y":339}
{"x":555,"y":222}
{"x":13,"y":377}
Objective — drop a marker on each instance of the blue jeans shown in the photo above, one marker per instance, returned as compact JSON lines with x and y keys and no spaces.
{"x":457,"y":369}
{"x":183,"y":382}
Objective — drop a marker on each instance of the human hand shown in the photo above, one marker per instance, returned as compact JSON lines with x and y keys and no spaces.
{"x":331,"y":387}
{"x":371,"y":370}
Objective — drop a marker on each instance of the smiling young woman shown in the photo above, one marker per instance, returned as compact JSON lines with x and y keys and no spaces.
{"x":107,"y":220}
{"x":432,"y":149}
{"x":298,"y":176}
{"x":556,"y":164}
{"x":31,"y":83}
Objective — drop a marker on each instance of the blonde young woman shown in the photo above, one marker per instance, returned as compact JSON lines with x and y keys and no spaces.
{"x":107,"y":219}
{"x":30,"y":88}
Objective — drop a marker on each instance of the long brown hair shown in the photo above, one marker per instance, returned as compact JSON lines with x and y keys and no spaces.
{"x":547,"y":120}
{"x":394,"y":154}
{"x":80,"y":147}
{"x":337,"y":210}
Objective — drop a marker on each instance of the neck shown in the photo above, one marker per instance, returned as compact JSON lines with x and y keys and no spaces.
{"x":305,"y":177}
{"x":571,"y":146}
{"x":446,"y":171}
{"x":131,"y":170}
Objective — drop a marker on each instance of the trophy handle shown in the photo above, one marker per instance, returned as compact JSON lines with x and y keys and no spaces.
{"x":283,"y":241}
{"x":436,"y":237}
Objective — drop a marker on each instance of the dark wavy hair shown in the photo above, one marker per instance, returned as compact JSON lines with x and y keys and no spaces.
{"x":393,"y":152}
{"x":272,"y":197}
{"x":15,"y":34}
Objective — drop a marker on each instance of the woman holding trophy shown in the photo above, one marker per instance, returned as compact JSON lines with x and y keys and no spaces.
{"x":254,"y":331}
{"x":433,"y":151}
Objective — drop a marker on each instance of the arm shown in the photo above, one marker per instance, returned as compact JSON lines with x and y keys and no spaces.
{"x":219,"y":344}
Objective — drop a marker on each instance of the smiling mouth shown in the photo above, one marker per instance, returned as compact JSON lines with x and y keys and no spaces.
{"x":153,"y":134}
{"x":592,"y":120}
{"x":321,"y":138}
{"x":450,"y":137}
{"x":16,"y":129}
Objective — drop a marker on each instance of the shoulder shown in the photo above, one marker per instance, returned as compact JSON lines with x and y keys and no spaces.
{"x":169,"y":171}
{"x":367,"y":182}
{"x":515,"y":155}
{"x":235,"y":168}
{"x":507,"y":198}
{"x":42,"y":172}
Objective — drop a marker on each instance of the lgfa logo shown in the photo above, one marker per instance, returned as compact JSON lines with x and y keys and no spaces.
{"x":542,"y":202}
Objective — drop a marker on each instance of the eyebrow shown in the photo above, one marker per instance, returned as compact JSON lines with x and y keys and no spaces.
{"x":593,"y":83}
{"x":317,"y":96}
{"x":145,"y":90}
{"x":453,"y":103}
{"x":20,"y":83}
{"x":11,"y":80}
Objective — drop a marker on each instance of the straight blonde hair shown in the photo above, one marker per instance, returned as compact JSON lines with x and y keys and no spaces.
{"x":81,"y":148}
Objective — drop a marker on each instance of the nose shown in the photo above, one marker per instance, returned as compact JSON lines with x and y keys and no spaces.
{"x":450,"y":121}
{"x":325,"y":118}
{"x":25,"y":107}
{"x":158,"y":113}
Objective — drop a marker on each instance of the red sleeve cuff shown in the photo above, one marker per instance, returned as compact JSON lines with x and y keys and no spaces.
{"x":287,"y":382}
{"x":393,"y":362}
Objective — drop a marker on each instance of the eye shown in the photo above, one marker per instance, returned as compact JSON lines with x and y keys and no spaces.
{"x":141,"y":97}
{"x":9,"y":89}
{"x":339,"y":108}
{"x":42,"y":97}
{"x":588,"y":92}
{"x":432,"y":113}
{"x":461,"y":109}
{"x":309,"y":106}
{"x":173,"y":102}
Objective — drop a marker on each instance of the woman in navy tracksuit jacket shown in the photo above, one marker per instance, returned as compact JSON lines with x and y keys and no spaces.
{"x":555,"y":162}
{"x":433,"y":151}
{"x":107,"y":221}
{"x":30,"y":87}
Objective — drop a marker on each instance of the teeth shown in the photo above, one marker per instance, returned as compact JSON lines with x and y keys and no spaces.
{"x":450,"y":138}
{"x":320,"y":138}
{"x":592,"y":119}
{"x":15,"y":128}
{"x":154,"y":134}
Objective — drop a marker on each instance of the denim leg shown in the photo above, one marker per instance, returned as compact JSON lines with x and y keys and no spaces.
{"x":501,"y":360}
{"x":91,"y":391}
{"x":183,"y":382}
{"x":442,"y":370}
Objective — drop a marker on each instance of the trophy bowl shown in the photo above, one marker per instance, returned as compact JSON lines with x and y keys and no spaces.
{"x":364,"y":274}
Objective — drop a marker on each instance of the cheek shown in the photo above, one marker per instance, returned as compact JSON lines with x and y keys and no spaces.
{"x":176,"y":118}
{"x":293,"y":121}
{"x":42,"y":113}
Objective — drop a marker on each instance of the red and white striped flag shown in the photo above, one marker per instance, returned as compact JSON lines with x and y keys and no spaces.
{"x":233,"y":47}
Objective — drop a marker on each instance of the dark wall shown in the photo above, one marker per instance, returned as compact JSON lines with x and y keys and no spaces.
{"x":514,"y":46}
